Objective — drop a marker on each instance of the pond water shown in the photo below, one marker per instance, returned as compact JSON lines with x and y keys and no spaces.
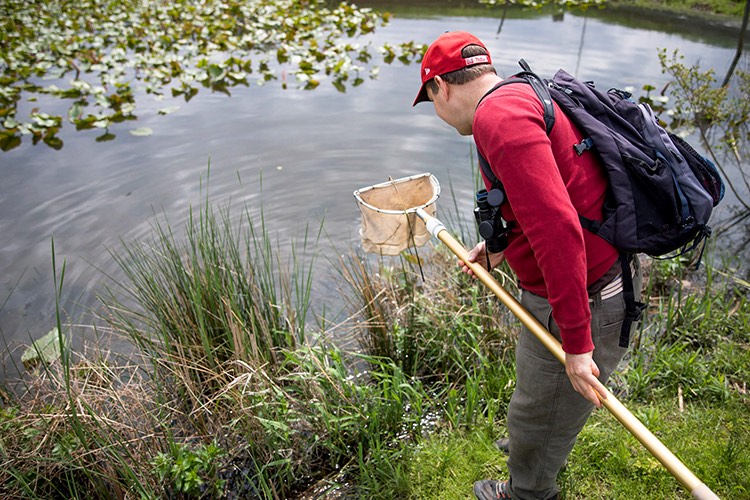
{"x":298,"y":154}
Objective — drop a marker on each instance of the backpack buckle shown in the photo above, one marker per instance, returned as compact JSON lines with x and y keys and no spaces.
{"x":585,"y":144}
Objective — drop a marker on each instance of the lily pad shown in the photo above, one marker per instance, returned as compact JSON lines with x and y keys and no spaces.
{"x":143,"y":131}
{"x":168,"y":110}
{"x":45,"y":350}
{"x":9,"y":140}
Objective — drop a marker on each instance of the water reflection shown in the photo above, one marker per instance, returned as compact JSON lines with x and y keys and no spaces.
{"x":308,"y":150}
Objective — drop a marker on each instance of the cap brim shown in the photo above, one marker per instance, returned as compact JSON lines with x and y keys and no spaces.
{"x":421,"y":96}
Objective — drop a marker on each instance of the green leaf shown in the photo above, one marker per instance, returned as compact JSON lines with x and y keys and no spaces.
{"x":53,"y":141}
{"x":105,"y":137}
{"x":190,"y":93}
{"x":216,"y":72}
{"x":75,"y":112}
{"x":46,"y":349}
{"x":9,"y":140}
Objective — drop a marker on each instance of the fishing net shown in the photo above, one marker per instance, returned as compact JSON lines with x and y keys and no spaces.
{"x":389,"y":221}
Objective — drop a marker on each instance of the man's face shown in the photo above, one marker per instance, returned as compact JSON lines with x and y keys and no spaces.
{"x":446,"y":101}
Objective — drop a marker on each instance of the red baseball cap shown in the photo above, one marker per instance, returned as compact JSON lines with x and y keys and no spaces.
{"x":444,"y":56}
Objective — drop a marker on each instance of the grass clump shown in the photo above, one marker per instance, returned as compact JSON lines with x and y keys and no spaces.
{"x":217,"y":290}
{"x":695,"y":340}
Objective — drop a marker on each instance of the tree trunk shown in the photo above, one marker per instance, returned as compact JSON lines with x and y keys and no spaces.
{"x":740,"y":44}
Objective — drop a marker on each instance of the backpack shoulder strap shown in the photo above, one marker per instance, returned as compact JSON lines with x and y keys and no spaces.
{"x":540,"y":88}
{"x":542,"y":92}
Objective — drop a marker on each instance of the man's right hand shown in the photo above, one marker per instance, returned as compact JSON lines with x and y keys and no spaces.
{"x":479,"y":256}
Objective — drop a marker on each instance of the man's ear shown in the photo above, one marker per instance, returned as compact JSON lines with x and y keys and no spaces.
{"x":442,"y":86}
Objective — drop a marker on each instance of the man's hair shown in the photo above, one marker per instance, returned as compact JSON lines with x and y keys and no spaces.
{"x":465,"y":75}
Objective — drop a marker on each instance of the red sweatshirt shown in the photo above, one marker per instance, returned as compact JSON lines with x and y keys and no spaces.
{"x":547,"y":186}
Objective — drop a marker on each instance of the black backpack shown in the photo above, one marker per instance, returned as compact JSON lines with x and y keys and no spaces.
{"x":661,"y":192}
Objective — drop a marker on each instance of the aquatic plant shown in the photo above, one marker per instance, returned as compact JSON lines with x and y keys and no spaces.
{"x":104,"y":56}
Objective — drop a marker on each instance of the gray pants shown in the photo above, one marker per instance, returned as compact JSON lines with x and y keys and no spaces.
{"x":545,"y":413}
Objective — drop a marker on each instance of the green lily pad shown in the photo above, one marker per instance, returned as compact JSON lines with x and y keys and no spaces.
{"x":46,"y":349}
{"x":9,"y":140}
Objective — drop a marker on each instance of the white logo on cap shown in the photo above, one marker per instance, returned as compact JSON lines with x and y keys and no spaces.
{"x":427,"y":71}
{"x":477,"y":60}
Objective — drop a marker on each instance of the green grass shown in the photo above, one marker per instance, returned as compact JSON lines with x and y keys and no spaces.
{"x":695,"y":7}
{"x":446,"y":466}
{"x":607,"y":461}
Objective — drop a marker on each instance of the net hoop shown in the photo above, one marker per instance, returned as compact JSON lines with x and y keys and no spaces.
{"x":389,"y":221}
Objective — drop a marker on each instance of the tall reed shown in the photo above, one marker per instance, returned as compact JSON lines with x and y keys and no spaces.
{"x":221,"y":292}
{"x":432,"y":321}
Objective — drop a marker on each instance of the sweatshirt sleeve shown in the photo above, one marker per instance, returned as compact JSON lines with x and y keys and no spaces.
{"x":509,"y":131}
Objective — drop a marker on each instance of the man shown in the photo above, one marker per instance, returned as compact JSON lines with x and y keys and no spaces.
{"x":569,"y":277}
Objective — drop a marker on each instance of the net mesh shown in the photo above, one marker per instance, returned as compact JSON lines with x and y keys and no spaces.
{"x":389,"y":222}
